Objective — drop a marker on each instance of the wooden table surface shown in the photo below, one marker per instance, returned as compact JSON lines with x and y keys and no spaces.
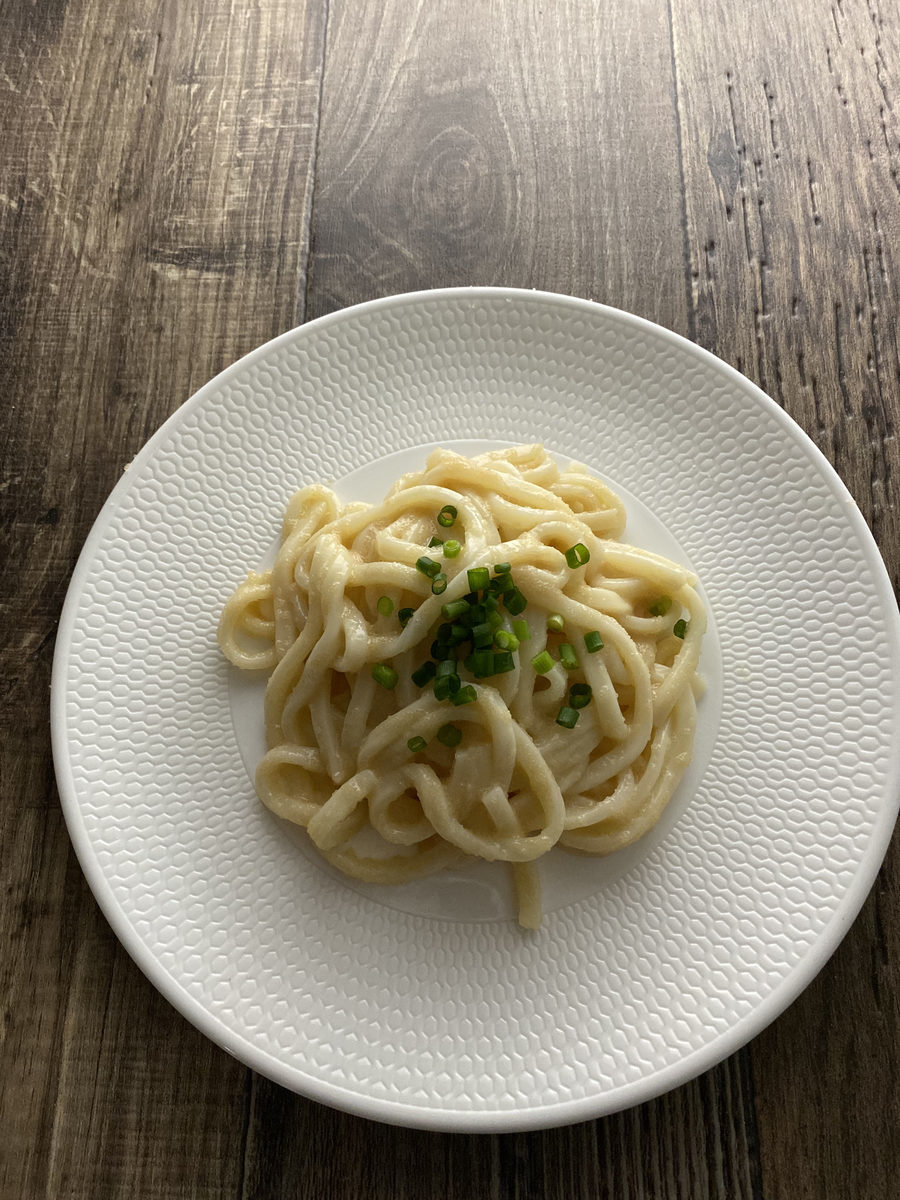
{"x":181,"y":180}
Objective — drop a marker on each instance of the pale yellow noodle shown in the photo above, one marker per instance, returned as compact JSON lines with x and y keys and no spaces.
{"x":518,"y":784}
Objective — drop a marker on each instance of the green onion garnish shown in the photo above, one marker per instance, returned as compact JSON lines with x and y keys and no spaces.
{"x":482,"y":664}
{"x":482,"y":635}
{"x":521,"y":630}
{"x":428,"y":566}
{"x":447,"y":667}
{"x":479,"y":578}
{"x":447,"y":516}
{"x":384,"y":675}
{"x":502,"y":568}
{"x":593,"y":641}
{"x":578,"y":555}
{"x":446,"y":685}
{"x":451,"y":548}
{"x":660,"y":607}
{"x":567,"y":656}
{"x":543,"y":662}
{"x":506,"y":641}
{"x":454,"y":609}
{"x":439,"y":584}
{"x":515,"y":602}
{"x":424,"y":674}
{"x":567,"y":717}
{"x":435,"y":541}
{"x":458,"y":633}
{"x":680,"y":628}
{"x":449,"y":735}
{"x":494,"y":619}
{"x":441,"y":650}
{"x":580,"y":695}
{"x":503,"y":662}
{"x":491,"y":603}
{"x":465,"y":695}
{"x":405,"y":615}
{"x":385,"y":605}
{"x":415,"y":744}
{"x":555,"y":623}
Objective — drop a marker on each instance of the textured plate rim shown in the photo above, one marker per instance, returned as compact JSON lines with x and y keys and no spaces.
{"x":538,"y":1116}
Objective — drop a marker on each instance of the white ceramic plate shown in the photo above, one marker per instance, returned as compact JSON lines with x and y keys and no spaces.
{"x":427,"y":1005}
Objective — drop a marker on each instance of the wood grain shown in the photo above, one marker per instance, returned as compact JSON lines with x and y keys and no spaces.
{"x":181,"y":181}
{"x":154,"y":211}
{"x":792,"y":151}
{"x":499,"y":144}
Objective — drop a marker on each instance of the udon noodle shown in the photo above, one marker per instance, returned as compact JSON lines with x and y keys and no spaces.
{"x":475,"y":668}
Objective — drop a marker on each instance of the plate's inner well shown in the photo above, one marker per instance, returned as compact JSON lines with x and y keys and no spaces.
{"x":482,"y":891}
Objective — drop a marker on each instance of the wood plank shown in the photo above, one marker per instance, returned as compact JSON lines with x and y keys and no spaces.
{"x":155,"y":187}
{"x":792,"y":180}
{"x":482,"y":144}
{"x":683,"y":1146}
{"x":792,"y":177}
{"x":499,"y":144}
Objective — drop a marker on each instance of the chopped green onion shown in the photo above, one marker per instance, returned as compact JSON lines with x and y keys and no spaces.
{"x":454,"y":609}
{"x":567,"y":717}
{"x":451,"y":548}
{"x":447,"y":516}
{"x":415,"y":744}
{"x":428,"y":566}
{"x":499,"y":584}
{"x":439,"y":584}
{"x":593,"y":641}
{"x":424,"y":674}
{"x":433,"y":542}
{"x":490,"y":602}
{"x":446,"y":685}
{"x":482,"y":635}
{"x":543,"y":662}
{"x":580,"y":695}
{"x":494,"y":619}
{"x":405,"y":615}
{"x":444,"y":633}
{"x":515,"y":603}
{"x":449,"y":735}
{"x":441,"y":650}
{"x":660,"y":607}
{"x":680,"y":628}
{"x":521,"y":630}
{"x":567,"y":656}
{"x":465,"y":695}
{"x":384,"y":675}
{"x":503,"y":662}
{"x":447,"y":667}
{"x":502,"y":568}
{"x":578,"y":555}
{"x":482,"y":664}
{"x":458,"y":633}
{"x":477,"y":614}
{"x":479,"y":578}
{"x":506,"y":641}
{"x":385,"y":605}
{"x":555,"y":623}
